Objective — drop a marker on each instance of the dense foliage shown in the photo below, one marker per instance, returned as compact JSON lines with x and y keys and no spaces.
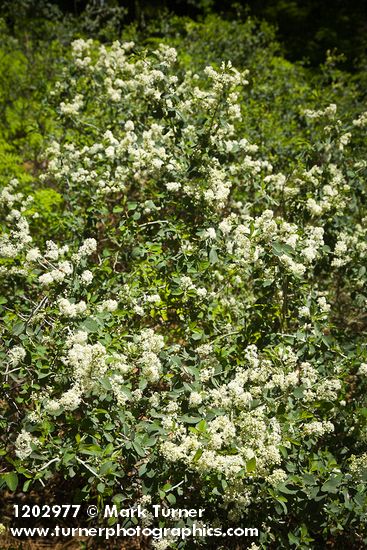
{"x":183,"y":279}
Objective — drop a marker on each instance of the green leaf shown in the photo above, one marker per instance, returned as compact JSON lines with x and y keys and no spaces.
{"x":213,"y":256}
{"x":331,"y":485}
{"x":281,"y":248}
{"x":251,"y":465}
{"x":18,"y":328}
{"x":90,"y":325}
{"x":293,"y":539}
{"x":26,"y":485}
{"x":11,"y":479}
{"x":171,"y":498}
{"x":101,"y":487}
{"x":189,"y":419}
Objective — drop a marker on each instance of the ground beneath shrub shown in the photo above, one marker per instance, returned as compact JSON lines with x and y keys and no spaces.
{"x":11,"y":543}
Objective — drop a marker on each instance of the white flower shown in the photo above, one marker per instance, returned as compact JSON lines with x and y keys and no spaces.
{"x":209,"y":234}
{"x":151,"y":366}
{"x":318,"y":428}
{"x":16,"y":355}
{"x":153,"y":298}
{"x":65,"y":267}
{"x":33,"y":255}
{"x":309,"y":253}
{"x":277,"y":477}
{"x":173,"y":186}
{"x":195,"y":399}
{"x":71,"y":399}
{"x":129,"y":126}
{"x":304,"y":311}
{"x":358,"y":466}
{"x":86,"y":277}
{"x":52,"y":405}
{"x":202,"y":292}
{"x":314,"y":208}
{"x":79,"y":337}
{"x":324,"y":306}
{"x":225,"y":226}
{"x":88,"y":247}
{"x":71,"y":310}
{"x":110,"y":152}
{"x":363,"y":369}
{"x":344,"y":140}
{"x":73,"y":107}
{"x":297,"y":269}
{"x":48,"y":278}
{"x":23,"y":444}
{"x":108,"y":305}
{"x":361,"y":121}
{"x":138,"y":310}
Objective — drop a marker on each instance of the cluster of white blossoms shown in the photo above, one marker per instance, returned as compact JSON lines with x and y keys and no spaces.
{"x":89,"y":364}
{"x":363,"y":369}
{"x":17,"y":238}
{"x":16,"y":355}
{"x":52,"y":260}
{"x":361,"y":121}
{"x":133,"y":153}
{"x":350,"y":247}
{"x":358,"y":467}
{"x":23,"y":444}
{"x":314,"y":387}
{"x":318,"y":428}
{"x":149,"y":345}
{"x":187,"y":285}
{"x":73,"y":107}
{"x":276,"y":477}
{"x":108,"y":305}
{"x":329,"y":112}
{"x":69,"y":309}
{"x":225,"y":446}
{"x":332,"y":195}
{"x":245,"y":431}
{"x":247,"y":238}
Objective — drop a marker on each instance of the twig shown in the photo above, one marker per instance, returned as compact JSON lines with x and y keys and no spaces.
{"x":88,"y":467}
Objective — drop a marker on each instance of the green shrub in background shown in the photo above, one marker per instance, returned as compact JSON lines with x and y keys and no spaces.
{"x":184,"y":288}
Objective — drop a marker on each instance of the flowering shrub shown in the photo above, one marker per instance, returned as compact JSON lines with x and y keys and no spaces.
{"x":183,"y":332}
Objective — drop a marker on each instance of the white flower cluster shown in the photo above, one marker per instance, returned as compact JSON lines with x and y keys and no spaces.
{"x":108,"y":305}
{"x":332,"y":194}
{"x":350,"y":248}
{"x":89,"y":363}
{"x":18,"y":237}
{"x":363,"y":369}
{"x":329,"y":112}
{"x":248,"y":238}
{"x":23,"y":444}
{"x":186,"y":283}
{"x":131,"y":155}
{"x":73,"y":107}
{"x":245,"y":431}
{"x":16,"y":355}
{"x":361,"y":121}
{"x":276,"y":477}
{"x":59,"y":269}
{"x":318,"y":428}
{"x":358,"y":466}
{"x":72,"y":310}
{"x":151,"y":344}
